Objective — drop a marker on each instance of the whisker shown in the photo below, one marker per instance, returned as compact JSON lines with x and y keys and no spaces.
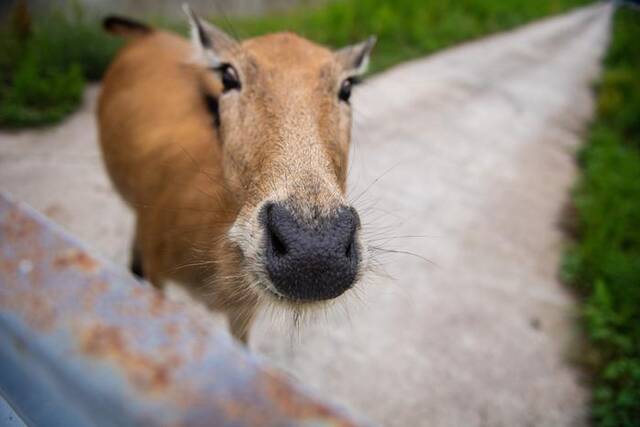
{"x":375,"y":181}
{"x":399,"y":251}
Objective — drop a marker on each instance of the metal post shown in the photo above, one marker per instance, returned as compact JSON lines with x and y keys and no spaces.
{"x":83,"y":343}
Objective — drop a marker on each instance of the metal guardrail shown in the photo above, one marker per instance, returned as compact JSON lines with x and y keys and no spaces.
{"x":83,"y":343}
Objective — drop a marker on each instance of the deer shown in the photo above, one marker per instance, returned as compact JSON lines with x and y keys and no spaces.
{"x":233,"y":156}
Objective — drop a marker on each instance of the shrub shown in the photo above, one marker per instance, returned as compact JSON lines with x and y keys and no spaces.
{"x":42,"y":74}
{"x":39,"y":95}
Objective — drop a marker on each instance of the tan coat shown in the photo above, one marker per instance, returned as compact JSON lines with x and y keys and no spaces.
{"x":196,"y":161}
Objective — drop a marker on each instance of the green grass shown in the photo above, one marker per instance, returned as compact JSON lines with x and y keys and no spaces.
{"x":406,"y":29}
{"x":604,"y":262}
{"x":42,"y":76}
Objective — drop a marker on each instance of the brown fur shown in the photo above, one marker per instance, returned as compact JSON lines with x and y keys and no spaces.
{"x":196,"y":188}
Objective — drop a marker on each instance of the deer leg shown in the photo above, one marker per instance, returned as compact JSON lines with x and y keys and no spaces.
{"x":135,"y":265}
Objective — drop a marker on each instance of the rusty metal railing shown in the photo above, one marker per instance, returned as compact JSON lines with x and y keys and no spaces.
{"x":83,"y":343}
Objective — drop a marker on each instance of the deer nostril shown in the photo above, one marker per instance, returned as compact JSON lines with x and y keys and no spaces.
{"x":273,"y":226}
{"x":279,"y":248}
{"x":349,"y":250}
{"x":352,"y":220}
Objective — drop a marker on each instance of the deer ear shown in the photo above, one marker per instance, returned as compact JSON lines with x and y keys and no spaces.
{"x":354,"y":59}
{"x":211,"y":43}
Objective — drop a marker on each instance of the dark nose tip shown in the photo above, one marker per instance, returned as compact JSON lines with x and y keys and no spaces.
{"x":311,"y":261}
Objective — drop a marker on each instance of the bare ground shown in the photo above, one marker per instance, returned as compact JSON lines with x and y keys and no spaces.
{"x":471,"y":153}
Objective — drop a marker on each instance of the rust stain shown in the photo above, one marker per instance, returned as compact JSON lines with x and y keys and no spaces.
{"x":151,"y":374}
{"x":42,"y":314}
{"x":295,"y":405}
{"x":75,"y":258}
{"x":33,"y":308}
{"x":92,"y":293}
{"x":236,"y":410}
{"x":8,"y":266}
{"x":157,"y":304}
{"x":172,"y":330}
{"x":199,"y":347}
{"x":17,"y":227}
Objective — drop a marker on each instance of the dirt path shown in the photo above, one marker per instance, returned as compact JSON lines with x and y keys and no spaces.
{"x":473,"y":149}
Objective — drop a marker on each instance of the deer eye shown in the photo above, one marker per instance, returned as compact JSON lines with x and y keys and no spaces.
{"x":345,"y":90}
{"x":229,"y":76}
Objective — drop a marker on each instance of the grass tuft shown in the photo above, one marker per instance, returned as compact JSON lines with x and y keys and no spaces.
{"x":604,"y":262}
{"x":43,"y":68}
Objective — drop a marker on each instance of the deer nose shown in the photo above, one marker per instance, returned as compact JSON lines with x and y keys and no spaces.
{"x":311,"y":262}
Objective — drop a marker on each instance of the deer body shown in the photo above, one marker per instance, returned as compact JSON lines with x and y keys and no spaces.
{"x":236,"y":171}
{"x":156,"y":134}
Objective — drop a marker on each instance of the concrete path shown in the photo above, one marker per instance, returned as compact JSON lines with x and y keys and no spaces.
{"x":472,"y":149}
